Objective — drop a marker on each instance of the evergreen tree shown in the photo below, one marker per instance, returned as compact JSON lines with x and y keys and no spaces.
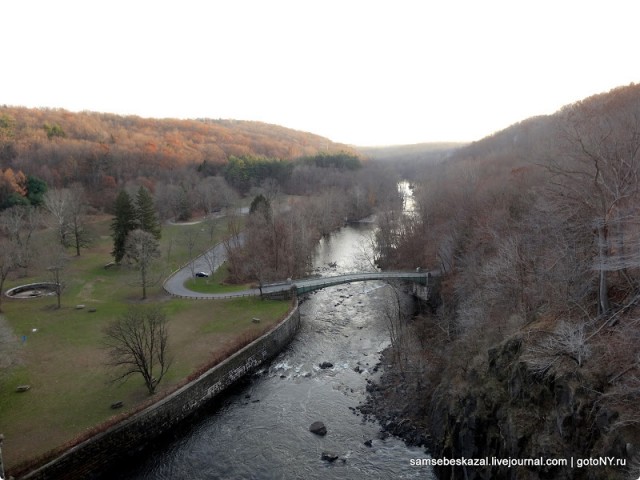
{"x":146,"y":217}
{"x":261,"y":204}
{"x":183,"y":205}
{"x":36,"y":188}
{"x":123,"y":223}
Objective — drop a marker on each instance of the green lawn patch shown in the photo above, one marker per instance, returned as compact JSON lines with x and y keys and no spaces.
{"x":63,"y":359}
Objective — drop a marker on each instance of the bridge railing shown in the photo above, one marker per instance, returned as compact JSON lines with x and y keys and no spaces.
{"x":307,"y":285}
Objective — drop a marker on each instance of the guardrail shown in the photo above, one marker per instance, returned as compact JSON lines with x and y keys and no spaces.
{"x":218,"y":296}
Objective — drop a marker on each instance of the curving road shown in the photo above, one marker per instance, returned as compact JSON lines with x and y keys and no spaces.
{"x":174,"y":284}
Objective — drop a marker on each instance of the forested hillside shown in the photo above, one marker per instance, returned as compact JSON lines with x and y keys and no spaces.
{"x":103,"y":152}
{"x":65,"y":166}
{"x":531,"y":348}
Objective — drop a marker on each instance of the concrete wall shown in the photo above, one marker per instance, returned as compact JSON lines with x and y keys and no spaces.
{"x":103,"y":450}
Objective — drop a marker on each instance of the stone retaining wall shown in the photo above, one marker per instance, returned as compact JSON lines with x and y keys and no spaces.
{"x":131,"y":435}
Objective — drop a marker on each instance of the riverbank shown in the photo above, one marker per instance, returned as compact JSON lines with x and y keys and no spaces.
{"x":398,"y":399}
{"x":135,"y":433}
{"x":262,"y":429}
{"x":500,"y":409}
{"x":391,"y":402}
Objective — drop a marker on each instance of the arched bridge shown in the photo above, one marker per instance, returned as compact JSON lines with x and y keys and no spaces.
{"x":421,"y":280}
{"x":311,"y":284}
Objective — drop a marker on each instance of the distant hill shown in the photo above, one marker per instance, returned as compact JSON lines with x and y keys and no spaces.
{"x":102,"y":150}
{"x":537,"y":139}
{"x":517,"y":149}
{"x":415,"y":152}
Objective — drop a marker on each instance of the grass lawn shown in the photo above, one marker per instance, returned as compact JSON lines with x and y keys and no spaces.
{"x":62,"y":358}
{"x":214,"y":283}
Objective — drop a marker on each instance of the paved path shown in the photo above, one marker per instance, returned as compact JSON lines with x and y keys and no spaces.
{"x":175,"y":283}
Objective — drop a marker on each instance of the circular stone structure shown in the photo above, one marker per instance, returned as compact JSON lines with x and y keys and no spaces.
{"x":32,"y":290}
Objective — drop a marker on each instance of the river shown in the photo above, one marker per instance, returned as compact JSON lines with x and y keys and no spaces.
{"x":261,"y":431}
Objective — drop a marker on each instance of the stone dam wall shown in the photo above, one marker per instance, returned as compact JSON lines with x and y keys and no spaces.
{"x":128,"y":437}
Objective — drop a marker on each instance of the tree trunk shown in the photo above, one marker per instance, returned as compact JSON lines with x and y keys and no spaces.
{"x":77,"y":235}
{"x":603,"y":286}
{"x":144,"y":283}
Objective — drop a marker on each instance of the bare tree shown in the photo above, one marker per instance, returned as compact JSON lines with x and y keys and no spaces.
{"x":173,"y":201}
{"x":210,"y":226}
{"x":19,"y":223}
{"x":327,"y":210}
{"x":446,"y":252}
{"x":568,"y":343}
{"x":211,"y":257}
{"x":213,"y":194}
{"x":396,"y":317}
{"x":258,"y":267}
{"x":299,"y":244}
{"x":142,"y":248}
{"x":232,"y":244}
{"x":597,"y":184}
{"x":270,"y":188}
{"x":163,"y":198}
{"x":138,"y":343}
{"x":257,"y":253}
{"x":265,"y":244}
{"x":8,"y":263}
{"x":169,"y":247}
{"x":57,"y":203}
{"x":77,"y":210}
{"x":508,"y":276}
{"x":190,"y":238}
{"x":56,"y":263}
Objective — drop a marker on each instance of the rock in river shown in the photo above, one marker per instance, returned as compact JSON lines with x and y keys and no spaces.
{"x":329,"y":456}
{"x":318,"y":428}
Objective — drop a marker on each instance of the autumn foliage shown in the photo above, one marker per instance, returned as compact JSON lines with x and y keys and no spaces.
{"x":102,"y":151}
{"x":13,"y":182}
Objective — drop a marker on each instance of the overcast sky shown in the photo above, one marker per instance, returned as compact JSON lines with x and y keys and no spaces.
{"x":359,"y":72}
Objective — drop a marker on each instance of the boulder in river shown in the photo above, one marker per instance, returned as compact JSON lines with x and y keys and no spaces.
{"x":329,"y":456}
{"x":324,"y":365}
{"x":318,"y":428}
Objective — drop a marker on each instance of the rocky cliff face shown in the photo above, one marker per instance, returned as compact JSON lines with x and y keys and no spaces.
{"x":506,"y":412}
{"x":496,"y":406}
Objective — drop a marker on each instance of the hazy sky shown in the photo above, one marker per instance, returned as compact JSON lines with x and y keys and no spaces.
{"x":360,"y":72}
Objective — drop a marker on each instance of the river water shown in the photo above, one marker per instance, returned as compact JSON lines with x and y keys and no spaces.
{"x":262,"y":429}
